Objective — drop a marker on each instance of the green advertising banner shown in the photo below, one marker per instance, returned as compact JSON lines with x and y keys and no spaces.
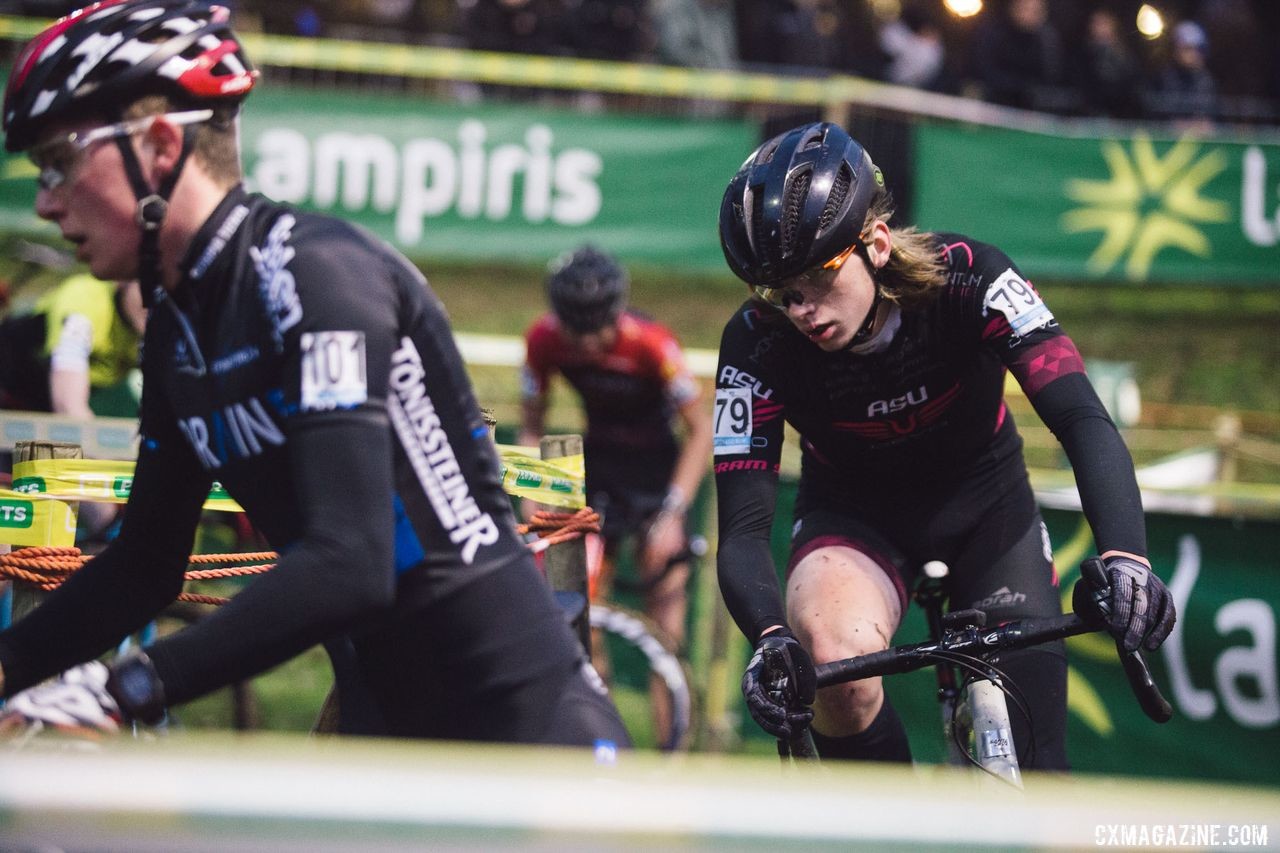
{"x":484,"y":182}
{"x":1124,"y":208}
{"x":1218,"y":669}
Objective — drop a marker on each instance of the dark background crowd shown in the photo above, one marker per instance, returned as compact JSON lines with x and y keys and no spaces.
{"x":1214,"y":61}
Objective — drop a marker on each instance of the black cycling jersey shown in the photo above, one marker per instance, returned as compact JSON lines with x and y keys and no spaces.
{"x":897,"y":429}
{"x":312,"y":372}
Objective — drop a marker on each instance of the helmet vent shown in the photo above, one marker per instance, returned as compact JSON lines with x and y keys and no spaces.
{"x":756,"y":224}
{"x":792,"y":206}
{"x":814,"y":140}
{"x":766,"y":153}
{"x":836,"y":199}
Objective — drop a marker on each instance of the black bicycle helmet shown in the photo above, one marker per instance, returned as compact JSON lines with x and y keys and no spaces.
{"x":103,"y":57}
{"x":799,"y":200}
{"x":587,"y":289}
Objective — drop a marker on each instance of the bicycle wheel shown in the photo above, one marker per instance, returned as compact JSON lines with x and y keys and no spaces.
{"x":641,"y":655}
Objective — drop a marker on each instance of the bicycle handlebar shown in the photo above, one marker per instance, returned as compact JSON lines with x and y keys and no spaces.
{"x":980,"y":642}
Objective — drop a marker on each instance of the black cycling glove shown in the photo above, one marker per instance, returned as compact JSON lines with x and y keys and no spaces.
{"x":779,"y":685}
{"x":1129,"y":598}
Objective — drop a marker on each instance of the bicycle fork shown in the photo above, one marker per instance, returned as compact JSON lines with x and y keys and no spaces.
{"x":978,"y":707}
{"x":984,"y":712}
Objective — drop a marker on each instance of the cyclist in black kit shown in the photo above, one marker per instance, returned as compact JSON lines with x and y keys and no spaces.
{"x":886,"y":348}
{"x":310,"y":370}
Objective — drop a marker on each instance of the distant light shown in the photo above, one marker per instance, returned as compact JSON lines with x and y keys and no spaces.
{"x":887,"y":10}
{"x":963,"y":8}
{"x":1150,"y":22}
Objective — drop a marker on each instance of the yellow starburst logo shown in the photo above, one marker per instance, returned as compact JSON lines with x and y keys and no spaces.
{"x":1150,"y":203}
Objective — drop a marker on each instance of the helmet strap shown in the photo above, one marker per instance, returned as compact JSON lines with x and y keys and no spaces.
{"x":869,"y":325}
{"x":153,"y":207}
{"x":864,"y":331}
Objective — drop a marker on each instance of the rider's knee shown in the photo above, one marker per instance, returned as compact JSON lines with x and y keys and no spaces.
{"x":829,"y":637}
{"x":845,"y":709}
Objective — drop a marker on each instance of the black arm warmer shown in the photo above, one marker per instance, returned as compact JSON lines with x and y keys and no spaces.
{"x":341,"y":570}
{"x":1103,"y":467}
{"x":120,"y":590}
{"x":744,"y":562}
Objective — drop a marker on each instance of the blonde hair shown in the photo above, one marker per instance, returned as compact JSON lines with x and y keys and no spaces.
{"x":217,"y":145}
{"x":915,"y":271}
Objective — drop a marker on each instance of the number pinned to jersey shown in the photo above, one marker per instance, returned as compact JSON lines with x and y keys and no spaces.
{"x":733,"y":421}
{"x":1017,"y":300}
{"x":333,"y":371}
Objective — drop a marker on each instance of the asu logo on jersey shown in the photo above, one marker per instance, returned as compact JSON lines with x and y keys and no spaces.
{"x":910,"y":413}
{"x":897,"y":404}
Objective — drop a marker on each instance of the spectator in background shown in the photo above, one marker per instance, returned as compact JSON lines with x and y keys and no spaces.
{"x":80,"y":336}
{"x":1184,"y":87}
{"x":1108,"y":71}
{"x":802,"y":33}
{"x":1018,"y":58}
{"x":695,"y":33}
{"x":609,"y":29}
{"x":79,"y":341}
{"x":914,"y":48}
{"x":513,"y":26}
{"x":1239,"y":54}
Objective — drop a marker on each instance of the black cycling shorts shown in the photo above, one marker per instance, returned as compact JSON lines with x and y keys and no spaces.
{"x":993,"y":541}
{"x":997,"y":549}
{"x":503,"y":678}
{"x":627,"y":488}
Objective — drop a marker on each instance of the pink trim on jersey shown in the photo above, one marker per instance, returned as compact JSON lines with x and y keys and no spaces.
{"x":1004,"y":411}
{"x":946,"y":250}
{"x":763,"y":410}
{"x":997,"y":327}
{"x":836,"y":541}
{"x":1045,"y":362}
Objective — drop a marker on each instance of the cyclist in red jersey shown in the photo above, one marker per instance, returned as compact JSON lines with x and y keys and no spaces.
{"x":886,"y":349}
{"x":634,"y":385}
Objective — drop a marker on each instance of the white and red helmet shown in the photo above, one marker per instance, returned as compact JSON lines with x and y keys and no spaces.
{"x":103,"y":57}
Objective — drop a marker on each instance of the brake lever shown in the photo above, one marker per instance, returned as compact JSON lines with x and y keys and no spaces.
{"x":1144,"y":687}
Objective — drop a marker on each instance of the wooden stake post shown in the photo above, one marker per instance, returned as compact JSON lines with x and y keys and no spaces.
{"x":26,"y":597}
{"x":567,"y":562}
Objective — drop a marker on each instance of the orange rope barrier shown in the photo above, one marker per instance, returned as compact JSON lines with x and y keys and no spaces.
{"x":46,"y":568}
{"x":552,"y":528}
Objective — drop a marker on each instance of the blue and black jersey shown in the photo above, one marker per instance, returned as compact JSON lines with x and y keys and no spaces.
{"x":311,"y":371}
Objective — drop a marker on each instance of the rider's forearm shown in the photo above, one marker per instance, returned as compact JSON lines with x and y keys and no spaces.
{"x":339,"y":572}
{"x":749,"y":585}
{"x":1103,"y":467}
{"x":744,"y":561}
{"x":111,"y":596}
{"x":121,"y":589}
{"x":69,"y":393}
{"x":691,"y":466}
{"x":533,"y":412}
